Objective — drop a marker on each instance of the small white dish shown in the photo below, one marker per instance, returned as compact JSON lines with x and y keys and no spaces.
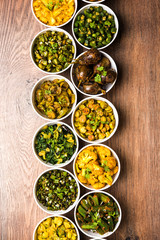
{"x":37,"y":86}
{"x":35,"y":235}
{"x":91,"y":234}
{"x":93,"y":1}
{"x":114,"y":112}
{"x":109,"y":10}
{"x":56,"y":30}
{"x":40,"y":205}
{"x":49,"y":164}
{"x":109,"y":86}
{"x":62,"y":25}
{"x":115,"y":177}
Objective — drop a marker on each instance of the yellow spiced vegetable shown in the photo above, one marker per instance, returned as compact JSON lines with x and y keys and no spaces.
{"x":56,"y":228}
{"x":53,"y":12}
{"x":96,"y":166}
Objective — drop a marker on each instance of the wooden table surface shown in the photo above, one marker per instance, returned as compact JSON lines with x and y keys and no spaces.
{"x":135,"y":95}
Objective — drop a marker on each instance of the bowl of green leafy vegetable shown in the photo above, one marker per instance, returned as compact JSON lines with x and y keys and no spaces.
{"x":56,"y":191}
{"x":55,"y":144}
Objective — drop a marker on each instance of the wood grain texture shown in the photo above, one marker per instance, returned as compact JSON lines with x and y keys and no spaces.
{"x":135,"y":95}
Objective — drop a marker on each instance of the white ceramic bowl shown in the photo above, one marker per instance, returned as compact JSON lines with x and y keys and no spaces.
{"x":57,"y":30}
{"x":34,"y":233}
{"x":37,"y":86}
{"x":114,"y":112}
{"x":92,"y":234}
{"x":93,"y":2}
{"x":106,"y":9}
{"x":115,"y":177}
{"x":109,"y":86}
{"x":45,"y":208}
{"x":46,"y":25}
{"x":49,"y":164}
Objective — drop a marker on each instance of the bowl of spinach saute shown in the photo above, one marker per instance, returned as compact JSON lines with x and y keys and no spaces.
{"x":98,"y":214}
{"x":56,"y":191}
{"x":55,"y":144}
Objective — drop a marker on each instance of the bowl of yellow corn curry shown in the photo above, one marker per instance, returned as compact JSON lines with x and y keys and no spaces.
{"x":55,"y":144}
{"x":53,"y":97}
{"x":56,"y":227}
{"x":54,"y":12}
{"x":96,"y":166}
{"x":95,"y":120}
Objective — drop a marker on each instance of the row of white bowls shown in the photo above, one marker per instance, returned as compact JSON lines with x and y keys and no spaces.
{"x":87,"y":233}
{"x":76,"y":204}
{"x":74,"y":16}
{"x":56,"y":213}
{"x":70,"y":37}
{"x":73,"y":110}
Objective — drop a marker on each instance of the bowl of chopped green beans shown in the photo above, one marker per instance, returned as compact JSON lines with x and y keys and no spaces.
{"x":56,"y":191}
{"x":55,"y":144}
{"x":52,"y":50}
{"x":97,"y":214}
{"x":95,"y":26}
{"x":53,"y":97}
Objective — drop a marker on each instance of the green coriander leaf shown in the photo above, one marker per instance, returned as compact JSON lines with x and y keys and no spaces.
{"x":104,"y":73}
{"x":100,"y":68}
{"x":97,"y":78}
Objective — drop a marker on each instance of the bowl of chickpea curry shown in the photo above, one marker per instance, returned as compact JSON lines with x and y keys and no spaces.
{"x":54,"y":12}
{"x":56,"y":227}
{"x":95,"y":119}
{"x":53,"y":97}
{"x":96,"y":167}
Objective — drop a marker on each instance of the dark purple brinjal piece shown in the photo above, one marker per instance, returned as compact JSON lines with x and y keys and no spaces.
{"x":111,"y":76}
{"x":83,"y":73}
{"x":91,"y":57}
{"x":105,"y":63}
{"x":92,"y":88}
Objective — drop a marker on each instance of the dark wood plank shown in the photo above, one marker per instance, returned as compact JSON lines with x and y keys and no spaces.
{"x":136,"y":97}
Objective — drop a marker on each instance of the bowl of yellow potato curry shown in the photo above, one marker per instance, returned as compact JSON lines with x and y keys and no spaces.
{"x":56,"y":227}
{"x":54,"y":12}
{"x":96,"y":166}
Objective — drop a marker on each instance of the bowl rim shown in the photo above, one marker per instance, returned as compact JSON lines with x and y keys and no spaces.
{"x":105,"y":8}
{"x":47,"y":30}
{"x":119,"y":219}
{"x":59,"y":212}
{"x":115,"y":114}
{"x":49,"y":164}
{"x":52,"y":216}
{"x":54,"y":78}
{"x":100,"y":94}
{"x":61,"y":25}
{"x":116,"y":176}
{"x":94,"y":1}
